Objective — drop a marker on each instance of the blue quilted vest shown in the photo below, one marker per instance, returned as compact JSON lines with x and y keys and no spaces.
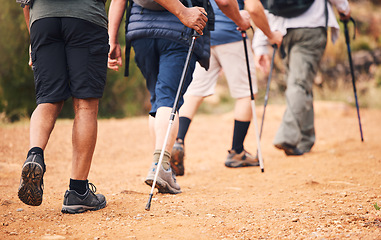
{"x":144,"y":23}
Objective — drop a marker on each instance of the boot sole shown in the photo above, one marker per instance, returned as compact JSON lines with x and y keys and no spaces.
{"x":74,"y":209}
{"x":177,"y":161}
{"x":238,"y":164}
{"x":30,"y":190}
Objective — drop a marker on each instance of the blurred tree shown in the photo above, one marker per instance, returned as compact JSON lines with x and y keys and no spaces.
{"x":16,"y":77}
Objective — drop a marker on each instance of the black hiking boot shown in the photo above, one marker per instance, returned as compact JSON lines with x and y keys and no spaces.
{"x":31,"y":182}
{"x":76,"y":203}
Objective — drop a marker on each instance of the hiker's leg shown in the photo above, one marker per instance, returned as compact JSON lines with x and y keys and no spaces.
{"x":203,"y":84}
{"x":242,"y":109}
{"x":242,"y":118}
{"x":84,"y":136}
{"x":187,"y":111}
{"x":190,"y":106}
{"x":233,"y":61}
{"x":306,"y":49}
{"x":161,"y":126}
{"x":42,"y":123}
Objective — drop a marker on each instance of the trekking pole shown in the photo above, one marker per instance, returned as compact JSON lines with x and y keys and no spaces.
{"x":347,"y":40}
{"x":172,"y":116}
{"x":253,"y":103}
{"x":268,"y":88}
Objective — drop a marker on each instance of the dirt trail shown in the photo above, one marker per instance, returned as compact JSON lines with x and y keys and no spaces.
{"x":326,"y":194}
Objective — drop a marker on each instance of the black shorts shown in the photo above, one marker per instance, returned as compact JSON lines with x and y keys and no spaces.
{"x":69,"y":58}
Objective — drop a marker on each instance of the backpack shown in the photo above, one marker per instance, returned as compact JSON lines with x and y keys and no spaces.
{"x":287,"y":8}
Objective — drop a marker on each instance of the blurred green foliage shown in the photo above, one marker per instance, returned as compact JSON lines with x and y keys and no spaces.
{"x":16,"y":78}
{"x":122,"y":97}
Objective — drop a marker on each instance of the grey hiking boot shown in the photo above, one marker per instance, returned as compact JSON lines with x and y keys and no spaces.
{"x":165,"y":182}
{"x":76,"y":203}
{"x":177,"y":158}
{"x":31,"y":182}
{"x":243,"y":159}
{"x":289,"y":150}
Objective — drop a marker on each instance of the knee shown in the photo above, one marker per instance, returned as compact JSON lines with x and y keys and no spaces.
{"x":88,"y":104}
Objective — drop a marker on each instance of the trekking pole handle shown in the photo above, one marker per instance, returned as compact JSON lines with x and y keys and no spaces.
{"x":346,"y":24}
{"x":243,"y":33}
{"x":195,"y":34}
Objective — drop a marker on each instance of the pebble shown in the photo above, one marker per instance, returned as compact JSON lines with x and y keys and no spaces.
{"x":19,"y":210}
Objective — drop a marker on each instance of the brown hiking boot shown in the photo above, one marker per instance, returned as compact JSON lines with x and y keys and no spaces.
{"x":243,"y":159}
{"x":177,"y":158}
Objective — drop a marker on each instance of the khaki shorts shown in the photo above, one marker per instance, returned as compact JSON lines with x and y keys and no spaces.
{"x":231,"y":59}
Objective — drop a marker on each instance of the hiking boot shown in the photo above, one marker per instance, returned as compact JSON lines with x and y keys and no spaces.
{"x":76,"y":203}
{"x":289,"y":150}
{"x":165,"y":182}
{"x":177,"y":158}
{"x":243,"y":159}
{"x":31,"y":182}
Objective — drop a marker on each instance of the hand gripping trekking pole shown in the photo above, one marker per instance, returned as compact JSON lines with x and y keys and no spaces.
{"x":253,"y":103}
{"x":347,"y":40}
{"x":172,"y":116}
{"x":267,"y":89}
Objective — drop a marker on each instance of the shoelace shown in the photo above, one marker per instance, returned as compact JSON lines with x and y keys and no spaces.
{"x":92,"y":187}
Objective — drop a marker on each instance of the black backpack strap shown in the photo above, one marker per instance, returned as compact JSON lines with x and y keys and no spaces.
{"x":326,"y":14}
{"x":128,"y":43}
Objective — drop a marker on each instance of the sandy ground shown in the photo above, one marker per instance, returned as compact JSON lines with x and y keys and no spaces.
{"x":328,"y":193}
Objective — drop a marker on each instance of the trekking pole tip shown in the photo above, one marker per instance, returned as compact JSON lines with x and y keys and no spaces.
{"x":148,"y":206}
{"x":262,"y":170}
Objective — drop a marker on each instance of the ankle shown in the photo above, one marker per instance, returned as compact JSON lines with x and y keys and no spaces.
{"x":80,"y":186}
{"x":166,"y":158}
{"x":36,"y":150}
{"x":238,"y":150}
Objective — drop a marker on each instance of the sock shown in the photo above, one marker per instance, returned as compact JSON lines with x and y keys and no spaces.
{"x":239,"y":135}
{"x":166,"y":158}
{"x":80,"y":186}
{"x":39,"y":151}
{"x":184,"y":123}
{"x":36,"y":150}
